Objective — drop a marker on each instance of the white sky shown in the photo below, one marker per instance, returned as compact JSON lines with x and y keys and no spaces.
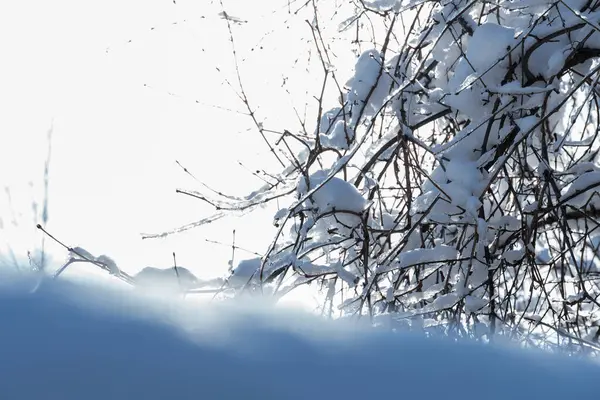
{"x":112,"y":172}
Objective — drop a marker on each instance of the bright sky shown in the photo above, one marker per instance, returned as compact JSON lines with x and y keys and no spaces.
{"x":114,"y":144}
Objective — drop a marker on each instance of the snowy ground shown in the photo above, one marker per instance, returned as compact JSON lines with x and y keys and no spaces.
{"x":68,"y":341}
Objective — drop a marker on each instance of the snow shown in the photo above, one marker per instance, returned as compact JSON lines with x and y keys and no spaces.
{"x":280,"y":214}
{"x":81,"y":253}
{"x":245,"y":270}
{"x":165,"y":279}
{"x":516,"y":88}
{"x":410,"y":258}
{"x":109,"y":262}
{"x":487,"y":46}
{"x":346,"y":276}
{"x":388,"y":221}
{"x":557,"y":61}
{"x":335,"y":193}
{"x":70,"y":342}
{"x":445,"y":301}
{"x":419,"y":256}
{"x":339,"y":137}
{"x":381,"y":5}
{"x":514,"y":256}
{"x":474,"y":304}
{"x":580,"y":191}
{"x":368,"y":83}
{"x":461,"y":180}
{"x":581,"y":168}
{"x":527,"y":123}
{"x":453,"y":184}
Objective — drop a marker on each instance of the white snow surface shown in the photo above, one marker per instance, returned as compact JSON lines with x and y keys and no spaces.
{"x":73,"y":342}
{"x":171,"y":279}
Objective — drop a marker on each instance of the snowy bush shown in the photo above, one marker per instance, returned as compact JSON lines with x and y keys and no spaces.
{"x":452,"y":186}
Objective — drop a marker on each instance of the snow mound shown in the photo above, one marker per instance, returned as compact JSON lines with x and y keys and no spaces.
{"x":68,"y":342}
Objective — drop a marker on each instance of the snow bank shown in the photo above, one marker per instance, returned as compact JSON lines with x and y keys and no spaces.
{"x":68,"y":342}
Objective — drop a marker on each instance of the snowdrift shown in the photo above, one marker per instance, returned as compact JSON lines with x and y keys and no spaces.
{"x":67,"y":341}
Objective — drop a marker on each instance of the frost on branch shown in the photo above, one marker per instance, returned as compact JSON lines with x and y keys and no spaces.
{"x":454,"y":185}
